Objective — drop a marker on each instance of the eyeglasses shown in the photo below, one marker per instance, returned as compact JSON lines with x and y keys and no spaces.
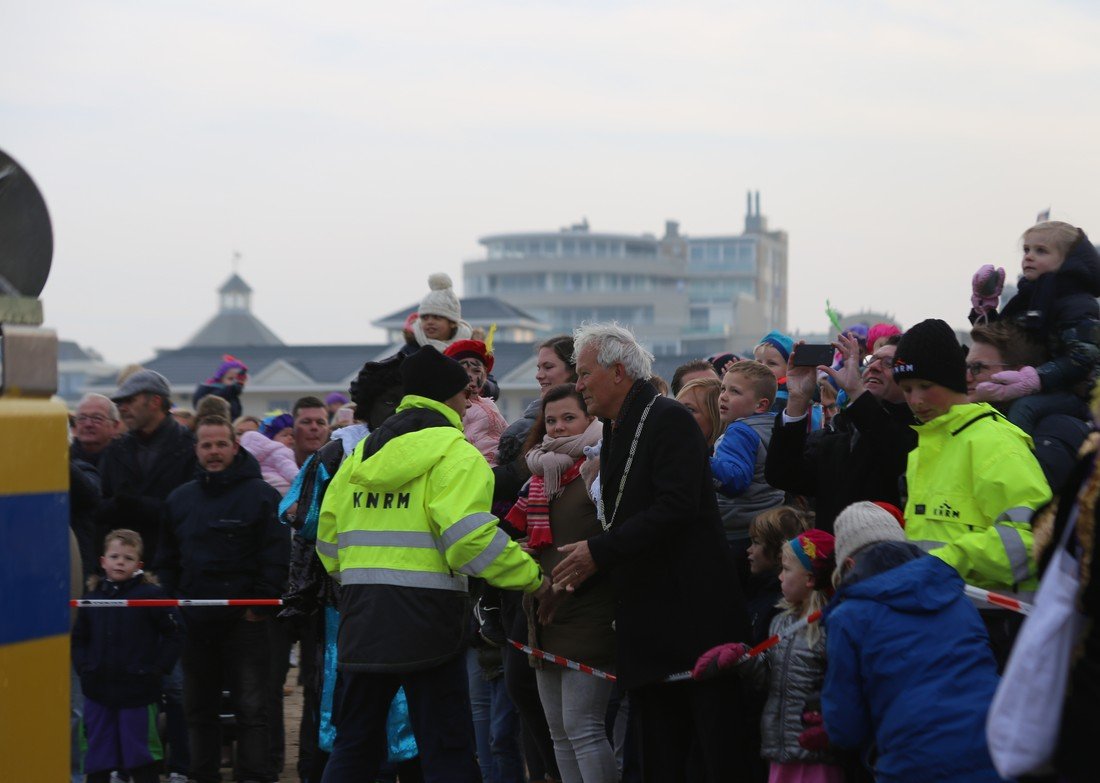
{"x":977,"y":368}
{"x":96,"y":419}
{"x":887,"y":361}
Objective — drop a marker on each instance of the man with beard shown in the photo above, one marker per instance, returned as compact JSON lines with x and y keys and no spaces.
{"x":221,"y":539}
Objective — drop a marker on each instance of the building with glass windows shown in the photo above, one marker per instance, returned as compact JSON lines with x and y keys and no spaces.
{"x":681,"y":294}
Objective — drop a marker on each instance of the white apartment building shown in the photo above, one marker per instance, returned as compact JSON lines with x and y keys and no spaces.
{"x":681,"y":294}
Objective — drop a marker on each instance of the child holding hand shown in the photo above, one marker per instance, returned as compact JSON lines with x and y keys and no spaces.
{"x":793,"y":740}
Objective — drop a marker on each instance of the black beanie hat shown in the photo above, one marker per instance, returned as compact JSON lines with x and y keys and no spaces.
{"x":428,"y":373}
{"x":931,"y":352}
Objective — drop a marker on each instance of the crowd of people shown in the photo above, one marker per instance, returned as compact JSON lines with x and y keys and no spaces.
{"x":772,"y":568}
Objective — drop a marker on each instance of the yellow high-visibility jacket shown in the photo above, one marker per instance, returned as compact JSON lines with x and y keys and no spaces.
{"x":403,"y":524}
{"x":973,"y":485}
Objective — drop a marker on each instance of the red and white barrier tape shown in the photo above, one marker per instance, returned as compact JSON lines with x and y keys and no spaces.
{"x":977,"y":593}
{"x":116,"y":602}
{"x":583,"y":667}
{"x":998,"y":600}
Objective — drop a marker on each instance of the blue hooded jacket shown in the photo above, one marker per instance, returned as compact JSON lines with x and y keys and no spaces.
{"x":910,"y":669}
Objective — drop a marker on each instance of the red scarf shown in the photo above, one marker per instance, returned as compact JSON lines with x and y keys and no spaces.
{"x":531,"y":513}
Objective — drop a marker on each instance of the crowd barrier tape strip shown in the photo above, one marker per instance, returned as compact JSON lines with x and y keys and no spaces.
{"x":998,"y":600}
{"x":977,"y":593}
{"x":582,"y":667}
{"x":85,"y":603}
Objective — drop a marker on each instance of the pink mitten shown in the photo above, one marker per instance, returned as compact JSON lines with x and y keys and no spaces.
{"x":1010,"y":385}
{"x":717,"y":659}
{"x":814,"y":736}
{"x":986,"y":287}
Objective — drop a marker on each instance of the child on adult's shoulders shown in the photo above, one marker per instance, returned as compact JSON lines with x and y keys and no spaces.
{"x":1056,"y":303}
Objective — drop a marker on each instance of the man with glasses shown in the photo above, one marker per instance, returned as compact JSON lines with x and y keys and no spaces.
{"x":864,"y":455}
{"x":96,"y":426}
{"x":1002,"y":345}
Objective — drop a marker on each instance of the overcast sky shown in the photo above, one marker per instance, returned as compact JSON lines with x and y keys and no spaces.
{"x":349,"y":149}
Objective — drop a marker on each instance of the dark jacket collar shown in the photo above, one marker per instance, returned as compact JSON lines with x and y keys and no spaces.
{"x":243,"y":467}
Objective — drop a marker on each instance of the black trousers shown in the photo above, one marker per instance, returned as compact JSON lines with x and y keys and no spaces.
{"x":707,"y":720}
{"x":311,"y":663}
{"x":279,"y":644}
{"x":439,"y":710}
{"x":234,"y":652}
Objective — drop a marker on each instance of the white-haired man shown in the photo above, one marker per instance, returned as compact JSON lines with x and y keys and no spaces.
{"x":666,"y":553}
{"x":96,"y":426}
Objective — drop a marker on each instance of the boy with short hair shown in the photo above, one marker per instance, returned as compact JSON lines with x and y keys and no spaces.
{"x":972,"y":480}
{"x":121,"y":654}
{"x":748,"y":390}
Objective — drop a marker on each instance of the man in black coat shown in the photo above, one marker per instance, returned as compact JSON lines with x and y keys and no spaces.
{"x":221,"y":538}
{"x":140,"y":469}
{"x":666,"y":553}
{"x":863,"y":456}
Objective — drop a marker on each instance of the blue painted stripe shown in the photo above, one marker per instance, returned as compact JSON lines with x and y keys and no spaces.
{"x":34,"y":566}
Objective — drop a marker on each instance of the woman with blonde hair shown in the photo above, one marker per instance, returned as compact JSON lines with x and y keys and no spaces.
{"x":700,"y":396}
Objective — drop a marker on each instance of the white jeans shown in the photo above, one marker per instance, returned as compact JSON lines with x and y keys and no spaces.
{"x":576,"y":706}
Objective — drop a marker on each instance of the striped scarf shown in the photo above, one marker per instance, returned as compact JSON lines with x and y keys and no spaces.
{"x":554,"y":463}
{"x":531,"y":513}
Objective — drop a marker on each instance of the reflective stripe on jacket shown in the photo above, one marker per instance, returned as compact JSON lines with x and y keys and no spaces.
{"x":973,"y":485}
{"x":405,"y":521}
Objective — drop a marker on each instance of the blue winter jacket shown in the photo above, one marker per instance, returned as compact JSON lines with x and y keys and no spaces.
{"x":910,"y":669}
{"x":738,"y":471}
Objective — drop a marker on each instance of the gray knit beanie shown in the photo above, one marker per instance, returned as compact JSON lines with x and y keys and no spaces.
{"x":861,"y":524}
{"x":441,"y":299}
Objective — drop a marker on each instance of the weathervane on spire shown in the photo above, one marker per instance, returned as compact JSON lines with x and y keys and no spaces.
{"x":236,"y":261}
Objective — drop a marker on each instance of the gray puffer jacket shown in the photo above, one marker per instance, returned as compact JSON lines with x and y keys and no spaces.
{"x":794,"y":673}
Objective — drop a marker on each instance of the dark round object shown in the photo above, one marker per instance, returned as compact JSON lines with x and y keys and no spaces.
{"x":26,"y":237}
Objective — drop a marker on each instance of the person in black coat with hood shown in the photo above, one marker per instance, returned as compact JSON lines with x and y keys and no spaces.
{"x":1056,"y":302}
{"x":863,"y":456}
{"x":665,"y":552}
{"x":221,"y":538}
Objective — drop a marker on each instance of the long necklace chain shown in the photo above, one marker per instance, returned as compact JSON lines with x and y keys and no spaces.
{"x":626,"y":470}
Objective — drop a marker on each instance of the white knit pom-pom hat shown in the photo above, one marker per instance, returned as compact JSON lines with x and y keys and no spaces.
{"x":862,"y":524}
{"x":441,"y":300}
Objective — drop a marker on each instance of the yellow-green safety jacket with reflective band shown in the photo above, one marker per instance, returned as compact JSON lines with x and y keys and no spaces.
{"x":973,"y":485}
{"x":403,"y":524}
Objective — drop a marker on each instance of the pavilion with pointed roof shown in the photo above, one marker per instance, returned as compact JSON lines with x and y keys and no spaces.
{"x":234,"y":323}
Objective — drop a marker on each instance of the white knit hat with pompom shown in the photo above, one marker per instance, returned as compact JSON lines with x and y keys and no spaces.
{"x":441,"y":300}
